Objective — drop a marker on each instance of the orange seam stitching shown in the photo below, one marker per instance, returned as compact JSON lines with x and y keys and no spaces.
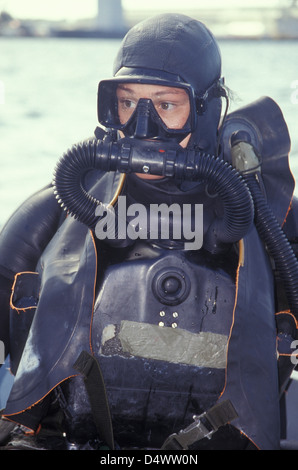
{"x":94,"y":289}
{"x":13,"y":287}
{"x":240,"y":264}
{"x":288,"y":312}
{"x":289,"y":209}
{"x":6,"y":416}
{"x":113,"y":201}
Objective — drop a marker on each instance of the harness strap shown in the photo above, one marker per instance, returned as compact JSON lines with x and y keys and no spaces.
{"x":204,"y":425}
{"x":88,"y":366}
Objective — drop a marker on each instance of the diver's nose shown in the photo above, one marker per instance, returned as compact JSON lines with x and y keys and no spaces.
{"x":145,"y":127}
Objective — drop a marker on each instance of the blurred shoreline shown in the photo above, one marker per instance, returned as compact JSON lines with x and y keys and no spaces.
{"x":241,"y":23}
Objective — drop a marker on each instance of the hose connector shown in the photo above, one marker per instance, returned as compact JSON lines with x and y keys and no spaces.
{"x":244,"y":157}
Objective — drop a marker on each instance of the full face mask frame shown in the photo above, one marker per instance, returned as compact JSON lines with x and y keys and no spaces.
{"x":145,"y":121}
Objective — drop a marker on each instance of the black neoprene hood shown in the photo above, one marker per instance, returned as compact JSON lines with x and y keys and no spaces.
{"x":171,"y":44}
{"x":178,"y":49}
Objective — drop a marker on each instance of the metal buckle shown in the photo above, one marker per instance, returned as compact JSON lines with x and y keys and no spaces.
{"x":199,"y":429}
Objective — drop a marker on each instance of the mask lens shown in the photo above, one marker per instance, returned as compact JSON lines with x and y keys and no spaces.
{"x":107,"y":105}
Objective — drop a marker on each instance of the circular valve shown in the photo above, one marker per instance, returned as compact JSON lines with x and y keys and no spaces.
{"x":171,"y":286}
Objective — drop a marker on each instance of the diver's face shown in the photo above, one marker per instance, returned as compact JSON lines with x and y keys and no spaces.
{"x":172,"y":104}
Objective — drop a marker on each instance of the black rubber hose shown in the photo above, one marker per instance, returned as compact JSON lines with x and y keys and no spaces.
{"x":277,"y":244}
{"x":67,"y":182}
{"x":127,"y":156}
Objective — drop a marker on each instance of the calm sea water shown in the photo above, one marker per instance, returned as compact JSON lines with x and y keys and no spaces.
{"x":48,"y":93}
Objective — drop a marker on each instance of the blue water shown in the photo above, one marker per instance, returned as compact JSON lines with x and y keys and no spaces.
{"x":48,"y":93}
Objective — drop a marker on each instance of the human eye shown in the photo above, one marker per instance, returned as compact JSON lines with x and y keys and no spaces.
{"x":127,"y":104}
{"x":167,"y":106}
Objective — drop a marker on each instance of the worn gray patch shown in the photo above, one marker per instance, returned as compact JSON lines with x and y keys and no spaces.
{"x":174,"y":345}
{"x":110,"y":342}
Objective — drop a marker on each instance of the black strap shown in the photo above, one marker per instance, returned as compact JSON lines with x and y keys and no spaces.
{"x":203,"y":426}
{"x":88,"y":366}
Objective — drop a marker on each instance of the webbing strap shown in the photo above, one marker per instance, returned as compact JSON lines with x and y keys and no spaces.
{"x":88,"y":366}
{"x":203,"y":426}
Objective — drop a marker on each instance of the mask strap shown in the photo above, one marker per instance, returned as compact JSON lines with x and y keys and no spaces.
{"x":216,"y":90}
{"x":222,"y":123}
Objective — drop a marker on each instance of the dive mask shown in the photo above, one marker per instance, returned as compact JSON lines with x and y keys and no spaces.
{"x":145,"y":122}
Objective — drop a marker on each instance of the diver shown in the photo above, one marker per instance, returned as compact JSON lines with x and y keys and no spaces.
{"x":124,"y":335}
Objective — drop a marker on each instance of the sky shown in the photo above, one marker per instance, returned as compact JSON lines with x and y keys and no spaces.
{"x":77,"y":9}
